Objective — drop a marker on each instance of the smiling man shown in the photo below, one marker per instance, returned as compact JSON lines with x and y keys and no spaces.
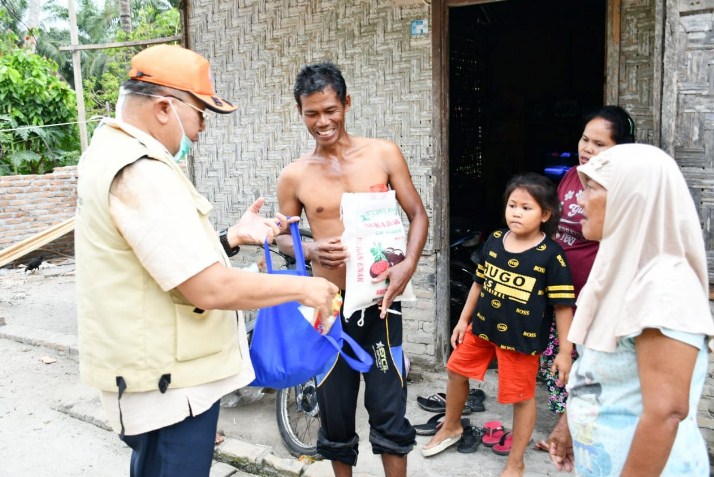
{"x":314,"y":183}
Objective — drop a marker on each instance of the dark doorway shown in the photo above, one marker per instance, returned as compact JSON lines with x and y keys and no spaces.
{"x":522,"y":76}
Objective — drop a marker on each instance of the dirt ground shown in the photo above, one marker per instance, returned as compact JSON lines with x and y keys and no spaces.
{"x":41,"y":395}
{"x":41,"y":299}
{"x":44,"y":302}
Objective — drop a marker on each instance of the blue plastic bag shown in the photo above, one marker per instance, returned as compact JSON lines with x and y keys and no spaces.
{"x":286,"y":350}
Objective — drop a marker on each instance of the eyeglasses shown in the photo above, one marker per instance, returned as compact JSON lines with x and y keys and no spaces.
{"x":205,"y":115}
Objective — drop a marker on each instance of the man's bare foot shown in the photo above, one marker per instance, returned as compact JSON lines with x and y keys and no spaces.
{"x":514,"y":470}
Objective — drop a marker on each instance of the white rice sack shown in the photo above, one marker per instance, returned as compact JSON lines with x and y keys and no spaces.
{"x":376,"y":240}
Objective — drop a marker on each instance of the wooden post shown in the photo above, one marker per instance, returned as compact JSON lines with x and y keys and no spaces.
{"x":77,"y":67}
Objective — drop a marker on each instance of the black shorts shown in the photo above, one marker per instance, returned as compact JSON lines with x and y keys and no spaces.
{"x":385,"y":392}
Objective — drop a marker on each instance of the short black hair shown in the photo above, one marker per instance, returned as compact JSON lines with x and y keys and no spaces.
{"x":319,"y":77}
{"x":622,"y":126}
{"x":545,"y":194}
{"x":144,"y":88}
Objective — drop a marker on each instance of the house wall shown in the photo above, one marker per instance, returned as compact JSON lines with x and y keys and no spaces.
{"x":639,"y":45}
{"x":256,"y":49}
{"x":688,"y":130}
{"x":30,"y":204}
{"x":688,"y":104}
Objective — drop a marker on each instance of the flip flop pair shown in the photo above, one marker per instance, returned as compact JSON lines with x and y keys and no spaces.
{"x":497,"y":438}
{"x":493,"y":431}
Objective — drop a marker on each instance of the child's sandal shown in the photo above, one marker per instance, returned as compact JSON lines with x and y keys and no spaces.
{"x":493,"y":431}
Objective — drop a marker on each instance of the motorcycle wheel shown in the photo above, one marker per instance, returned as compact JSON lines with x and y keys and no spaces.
{"x":298,"y":418}
{"x":296,"y":408}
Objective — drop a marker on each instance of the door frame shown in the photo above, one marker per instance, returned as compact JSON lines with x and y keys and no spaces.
{"x":440,"y":103}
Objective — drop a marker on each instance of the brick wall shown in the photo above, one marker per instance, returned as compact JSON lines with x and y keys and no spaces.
{"x":31,"y":203}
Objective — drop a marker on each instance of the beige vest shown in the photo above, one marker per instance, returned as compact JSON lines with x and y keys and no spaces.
{"x":128,"y":326}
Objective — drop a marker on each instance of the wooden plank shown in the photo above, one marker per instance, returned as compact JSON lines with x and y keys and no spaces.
{"x":122,"y":44}
{"x":612,"y":53}
{"x":30,"y":244}
{"x":77,"y":68}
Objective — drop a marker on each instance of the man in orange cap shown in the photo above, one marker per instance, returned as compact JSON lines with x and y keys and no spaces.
{"x":154,"y":279}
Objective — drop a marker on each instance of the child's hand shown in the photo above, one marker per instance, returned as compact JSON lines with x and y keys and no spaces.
{"x":562,"y":364}
{"x":457,"y":336}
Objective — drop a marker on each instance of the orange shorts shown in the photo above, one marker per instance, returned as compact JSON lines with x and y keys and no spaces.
{"x":516,"y":371}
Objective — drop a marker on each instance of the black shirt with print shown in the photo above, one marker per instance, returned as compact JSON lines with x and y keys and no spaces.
{"x":514,"y":309}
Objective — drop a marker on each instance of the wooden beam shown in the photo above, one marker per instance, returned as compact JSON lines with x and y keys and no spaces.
{"x":122,"y":44}
{"x":78,"y":88}
{"x":30,"y":244}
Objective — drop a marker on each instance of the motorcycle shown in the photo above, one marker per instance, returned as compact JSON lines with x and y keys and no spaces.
{"x":466,"y":242}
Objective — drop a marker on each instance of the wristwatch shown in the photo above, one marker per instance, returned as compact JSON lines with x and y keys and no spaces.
{"x":223,"y":237}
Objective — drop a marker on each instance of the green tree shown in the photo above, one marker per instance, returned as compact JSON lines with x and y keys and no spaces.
{"x":101,"y":92}
{"x":25,"y":147}
{"x":33,"y":101}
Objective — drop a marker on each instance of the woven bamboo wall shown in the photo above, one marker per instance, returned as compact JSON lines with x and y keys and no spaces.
{"x":693,"y":140}
{"x":637,"y":66}
{"x":671,"y":100}
{"x":257,"y":47}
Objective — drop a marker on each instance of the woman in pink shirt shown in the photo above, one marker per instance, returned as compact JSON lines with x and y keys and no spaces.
{"x":605,"y":128}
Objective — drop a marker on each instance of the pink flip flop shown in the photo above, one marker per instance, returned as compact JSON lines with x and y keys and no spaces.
{"x":504,"y":445}
{"x":493,"y":431}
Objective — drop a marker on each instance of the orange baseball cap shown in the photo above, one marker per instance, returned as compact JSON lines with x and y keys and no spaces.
{"x":179,"y":68}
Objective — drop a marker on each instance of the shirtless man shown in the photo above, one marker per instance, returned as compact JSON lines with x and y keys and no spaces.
{"x":314,"y":183}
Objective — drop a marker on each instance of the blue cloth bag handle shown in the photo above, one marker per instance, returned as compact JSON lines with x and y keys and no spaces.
{"x":363,"y":362}
{"x":298,"y":251}
{"x":286,"y":350}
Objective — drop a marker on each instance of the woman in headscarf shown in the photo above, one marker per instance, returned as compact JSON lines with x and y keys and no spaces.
{"x":642,"y":322}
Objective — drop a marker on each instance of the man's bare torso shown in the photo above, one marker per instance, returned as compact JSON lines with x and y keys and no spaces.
{"x":320,"y":181}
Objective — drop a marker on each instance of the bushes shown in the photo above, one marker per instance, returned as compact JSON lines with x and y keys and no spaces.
{"x":32,"y":95}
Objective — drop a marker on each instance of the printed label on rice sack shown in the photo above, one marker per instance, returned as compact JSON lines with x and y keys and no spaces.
{"x":376,"y":240}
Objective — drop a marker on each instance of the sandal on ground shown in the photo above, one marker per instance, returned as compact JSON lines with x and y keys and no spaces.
{"x":437,"y":403}
{"x":504,"y":445}
{"x":493,"y":431}
{"x":434,"y":403}
{"x":475,"y":400}
{"x":430,"y":427}
{"x":470,"y":440}
{"x":441,"y":446}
